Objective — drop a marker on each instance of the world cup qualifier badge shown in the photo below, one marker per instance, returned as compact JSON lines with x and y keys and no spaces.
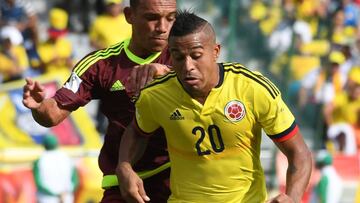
{"x":235,"y":111}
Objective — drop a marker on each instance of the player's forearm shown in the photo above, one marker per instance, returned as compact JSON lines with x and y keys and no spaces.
{"x":298,"y":174}
{"x":123,"y":170}
{"x":132,"y":146}
{"x":299,"y":166}
{"x":48,"y":114}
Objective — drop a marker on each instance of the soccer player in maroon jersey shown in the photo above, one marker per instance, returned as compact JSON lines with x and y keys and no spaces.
{"x":103,"y":75}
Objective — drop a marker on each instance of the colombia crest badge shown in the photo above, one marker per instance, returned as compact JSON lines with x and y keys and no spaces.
{"x":235,"y":111}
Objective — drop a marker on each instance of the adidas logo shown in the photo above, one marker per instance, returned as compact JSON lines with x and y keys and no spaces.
{"x":176,"y":115}
{"x":117,"y":86}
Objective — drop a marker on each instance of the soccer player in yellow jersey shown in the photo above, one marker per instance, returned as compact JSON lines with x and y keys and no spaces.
{"x":212,"y":115}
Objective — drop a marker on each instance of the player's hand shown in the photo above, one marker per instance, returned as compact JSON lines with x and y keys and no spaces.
{"x":131,"y":186}
{"x":33,"y":94}
{"x":281,"y":198}
{"x":141,"y":75}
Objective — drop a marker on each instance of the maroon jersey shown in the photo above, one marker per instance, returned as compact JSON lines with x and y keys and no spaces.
{"x":102,"y":75}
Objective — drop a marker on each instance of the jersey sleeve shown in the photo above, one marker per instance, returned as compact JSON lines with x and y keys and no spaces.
{"x":145,"y":119}
{"x":79,"y":88}
{"x":274,"y":116}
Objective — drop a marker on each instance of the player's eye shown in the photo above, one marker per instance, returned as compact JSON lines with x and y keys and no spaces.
{"x":196,"y":55}
{"x":151,"y":17}
{"x":171,"y":17}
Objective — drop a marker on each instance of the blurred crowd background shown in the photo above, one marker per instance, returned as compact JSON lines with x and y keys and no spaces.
{"x":309,"y":48}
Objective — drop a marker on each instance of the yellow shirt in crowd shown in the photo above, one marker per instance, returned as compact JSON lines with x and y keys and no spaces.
{"x":345,"y":109}
{"x":7,"y":63}
{"x":55,"y":55}
{"x":108,"y":30}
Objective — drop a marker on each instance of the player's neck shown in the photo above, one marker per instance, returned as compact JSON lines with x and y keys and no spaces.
{"x":201,"y":95}
{"x":138,"y":50}
{"x":201,"y":100}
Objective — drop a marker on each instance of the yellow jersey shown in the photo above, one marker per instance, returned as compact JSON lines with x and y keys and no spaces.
{"x":61,"y":50}
{"x":345,"y":109}
{"x":215,"y":148}
{"x":108,"y":30}
{"x":7,"y":63}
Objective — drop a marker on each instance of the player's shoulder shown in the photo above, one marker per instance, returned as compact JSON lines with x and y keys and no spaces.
{"x":105,"y":52}
{"x":239,"y":69}
{"x":160,"y":86}
{"x":241,"y":72}
{"x":161,"y":82}
{"x":254,"y":79}
{"x":98,"y":56}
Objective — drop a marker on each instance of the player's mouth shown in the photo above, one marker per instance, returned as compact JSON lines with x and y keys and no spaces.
{"x":159,"y":39}
{"x":191,"y":80}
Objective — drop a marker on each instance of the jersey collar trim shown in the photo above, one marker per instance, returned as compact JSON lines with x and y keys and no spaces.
{"x":137,"y":59}
{"x":221,"y":75}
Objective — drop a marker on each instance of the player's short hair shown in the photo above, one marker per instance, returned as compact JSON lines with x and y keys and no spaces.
{"x":186,"y":23}
{"x":134,"y":3}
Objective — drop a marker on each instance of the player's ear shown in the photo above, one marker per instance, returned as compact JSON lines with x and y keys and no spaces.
{"x":128,"y":12}
{"x":217,"y":51}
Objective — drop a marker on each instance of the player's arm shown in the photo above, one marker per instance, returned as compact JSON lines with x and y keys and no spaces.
{"x":279,"y":124}
{"x":46,"y":112}
{"x":143,"y":74}
{"x":299,"y":168}
{"x":132,"y":147}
